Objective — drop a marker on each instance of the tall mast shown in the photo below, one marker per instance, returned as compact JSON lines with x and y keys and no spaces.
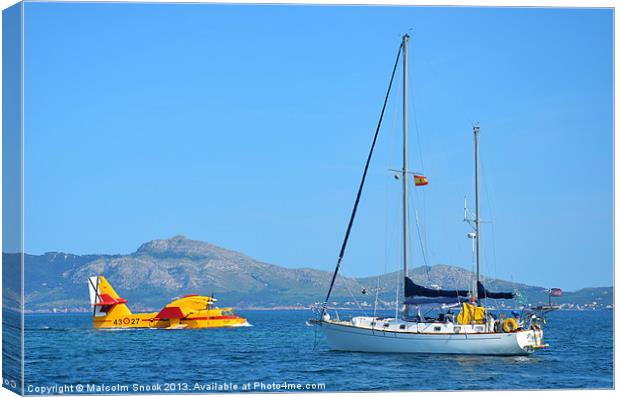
{"x":477,"y":220}
{"x":405,"y":155}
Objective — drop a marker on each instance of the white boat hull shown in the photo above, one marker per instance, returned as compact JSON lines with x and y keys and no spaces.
{"x":345,"y":337}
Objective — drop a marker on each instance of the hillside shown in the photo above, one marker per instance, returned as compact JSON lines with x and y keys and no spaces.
{"x":162,"y":269}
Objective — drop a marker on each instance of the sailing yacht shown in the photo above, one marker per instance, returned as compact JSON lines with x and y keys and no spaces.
{"x":473,"y":330}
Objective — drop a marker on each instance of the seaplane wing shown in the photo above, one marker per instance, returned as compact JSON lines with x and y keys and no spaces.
{"x":172,"y":312}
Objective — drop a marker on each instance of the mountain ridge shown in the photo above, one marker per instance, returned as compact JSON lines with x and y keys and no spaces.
{"x":161,"y":269}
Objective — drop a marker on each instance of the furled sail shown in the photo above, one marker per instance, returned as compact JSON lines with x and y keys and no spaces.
{"x":432,"y":301}
{"x":412,"y":289}
{"x":483,"y":293}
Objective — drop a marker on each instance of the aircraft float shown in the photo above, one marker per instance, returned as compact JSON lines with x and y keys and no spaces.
{"x":190,"y":311}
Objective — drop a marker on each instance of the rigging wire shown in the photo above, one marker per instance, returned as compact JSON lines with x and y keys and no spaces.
{"x":399,"y":275}
{"x":361,"y":186}
{"x":389,"y":236}
{"x":491,"y":214}
{"x":386,"y":243}
{"x":374,"y":312}
{"x":355,"y":299}
{"x":421,"y":196}
{"x":422,"y":243}
{"x":417,"y":223}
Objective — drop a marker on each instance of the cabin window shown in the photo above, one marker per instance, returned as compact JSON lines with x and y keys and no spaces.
{"x":386,"y":324}
{"x":227,"y":313}
{"x":437,"y":328}
{"x":373,"y":324}
{"x":403,"y":326}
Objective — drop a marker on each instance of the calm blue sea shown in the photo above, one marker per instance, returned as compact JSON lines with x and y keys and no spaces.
{"x":63,"y":350}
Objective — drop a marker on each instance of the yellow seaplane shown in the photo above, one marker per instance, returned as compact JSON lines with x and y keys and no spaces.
{"x":190,"y":311}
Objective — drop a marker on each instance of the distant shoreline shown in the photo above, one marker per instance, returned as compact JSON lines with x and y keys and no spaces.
{"x":75,"y":311}
{"x":264,"y":309}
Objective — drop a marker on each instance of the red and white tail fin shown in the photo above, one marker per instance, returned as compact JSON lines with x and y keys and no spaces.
{"x":93,"y":290}
{"x":104,"y":300}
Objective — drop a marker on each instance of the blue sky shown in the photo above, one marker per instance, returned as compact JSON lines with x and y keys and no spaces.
{"x":248,"y":126}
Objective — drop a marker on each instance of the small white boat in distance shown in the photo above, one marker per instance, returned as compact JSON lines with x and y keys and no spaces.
{"x":473,"y":330}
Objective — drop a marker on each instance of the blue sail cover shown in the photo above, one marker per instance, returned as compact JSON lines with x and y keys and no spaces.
{"x":431,"y":301}
{"x":412,"y":289}
{"x":484,"y":294}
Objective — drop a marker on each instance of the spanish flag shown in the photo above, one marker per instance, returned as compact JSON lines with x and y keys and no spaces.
{"x":420,"y":180}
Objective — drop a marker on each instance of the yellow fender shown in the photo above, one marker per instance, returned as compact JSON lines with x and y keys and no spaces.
{"x":510,"y":325}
